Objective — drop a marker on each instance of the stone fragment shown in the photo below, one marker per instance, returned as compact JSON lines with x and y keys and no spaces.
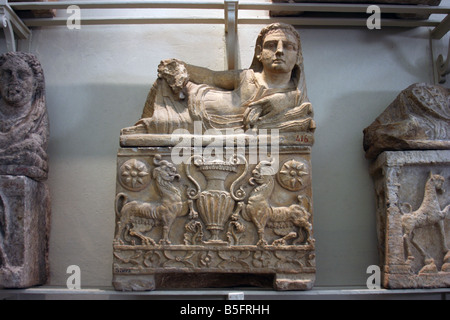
{"x":417,"y":120}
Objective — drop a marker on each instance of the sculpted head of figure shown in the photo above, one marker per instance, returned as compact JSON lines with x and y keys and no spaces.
{"x":21,"y":80}
{"x":278,"y":49}
{"x":24,"y":124}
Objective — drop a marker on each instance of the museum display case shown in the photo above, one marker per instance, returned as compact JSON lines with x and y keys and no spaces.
{"x":101,"y":58}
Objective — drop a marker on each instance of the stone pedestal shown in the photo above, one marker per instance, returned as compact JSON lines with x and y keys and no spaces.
{"x":213,"y":223}
{"x":413,"y":217}
{"x":24,"y":217}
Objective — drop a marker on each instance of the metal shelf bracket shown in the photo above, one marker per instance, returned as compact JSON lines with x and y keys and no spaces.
{"x":12,"y":27}
{"x":231,"y":21}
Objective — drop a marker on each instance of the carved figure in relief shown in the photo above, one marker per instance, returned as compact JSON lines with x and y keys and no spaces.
{"x":271,"y":94}
{"x":428,"y":214}
{"x":163,"y":212}
{"x":280,"y":219}
{"x":24,"y":124}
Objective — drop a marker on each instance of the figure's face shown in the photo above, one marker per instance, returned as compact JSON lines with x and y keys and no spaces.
{"x":16,"y":82}
{"x":279,"y":52}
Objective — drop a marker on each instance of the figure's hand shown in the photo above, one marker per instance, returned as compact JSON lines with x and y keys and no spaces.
{"x":270,"y":105}
{"x":251,"y":116}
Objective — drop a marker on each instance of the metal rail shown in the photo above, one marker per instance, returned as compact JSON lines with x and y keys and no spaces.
{"x":230,"y":20}
{"x":305,"y":7}
{"x":237,"y":6}
{"x":12,"y":26}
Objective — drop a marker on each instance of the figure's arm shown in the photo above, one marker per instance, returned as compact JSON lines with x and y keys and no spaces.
{"x":276,"y":103}
{"x":269,"y":107}
{"x":222,"y":79}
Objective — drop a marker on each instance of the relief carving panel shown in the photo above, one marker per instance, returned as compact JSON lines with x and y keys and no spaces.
{"x":212,"y":217}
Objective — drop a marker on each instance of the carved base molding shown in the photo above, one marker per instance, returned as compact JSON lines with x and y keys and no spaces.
{"x":237,"y":219}
{"x":146,"y":268}
{"x":413,"y":218}
{"x":416,"y":281}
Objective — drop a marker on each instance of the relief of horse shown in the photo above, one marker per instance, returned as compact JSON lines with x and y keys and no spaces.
{"x":428,"y":214}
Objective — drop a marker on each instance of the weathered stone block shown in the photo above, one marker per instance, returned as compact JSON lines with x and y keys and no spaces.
{"x":413,"y":218}
{"x":24,"y":220}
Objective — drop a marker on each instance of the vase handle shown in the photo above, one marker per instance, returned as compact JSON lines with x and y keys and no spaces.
{"x":192,"y":193}
{"x":239,"y":195}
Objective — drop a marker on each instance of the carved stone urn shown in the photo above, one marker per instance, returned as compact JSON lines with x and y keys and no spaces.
{"x":214,"y":185}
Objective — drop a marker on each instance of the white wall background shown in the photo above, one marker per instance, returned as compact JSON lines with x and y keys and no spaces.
{"x":97,"y":80}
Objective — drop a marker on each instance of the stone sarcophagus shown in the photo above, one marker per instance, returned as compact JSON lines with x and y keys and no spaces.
{"x":410,"y":144}
{"x":214,"y":184}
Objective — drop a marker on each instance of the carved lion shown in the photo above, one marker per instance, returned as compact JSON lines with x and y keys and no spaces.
{"x":280,"y":219}
{"x":137,"y":217}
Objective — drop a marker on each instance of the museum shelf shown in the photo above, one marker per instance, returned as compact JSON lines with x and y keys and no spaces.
{"x":233,"y":6}
{"x":323,"y":15}
{"x":317,"y":293}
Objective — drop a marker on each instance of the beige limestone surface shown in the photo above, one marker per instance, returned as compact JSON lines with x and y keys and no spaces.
{"x":214,"y":185}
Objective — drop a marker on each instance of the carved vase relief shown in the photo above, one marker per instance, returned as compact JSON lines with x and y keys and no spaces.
{"x":214,"y":181}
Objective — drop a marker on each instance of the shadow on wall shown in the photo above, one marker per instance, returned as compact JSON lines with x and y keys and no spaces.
{"x":85,"y":124}
{"x":344,"y":199}
{"x":86,"y":120}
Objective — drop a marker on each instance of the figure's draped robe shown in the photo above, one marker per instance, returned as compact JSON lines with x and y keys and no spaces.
{"x":221,"y":109}
{"x":23,"y":142}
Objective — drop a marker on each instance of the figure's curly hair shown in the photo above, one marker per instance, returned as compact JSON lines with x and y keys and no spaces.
{"x":35,"y":65}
